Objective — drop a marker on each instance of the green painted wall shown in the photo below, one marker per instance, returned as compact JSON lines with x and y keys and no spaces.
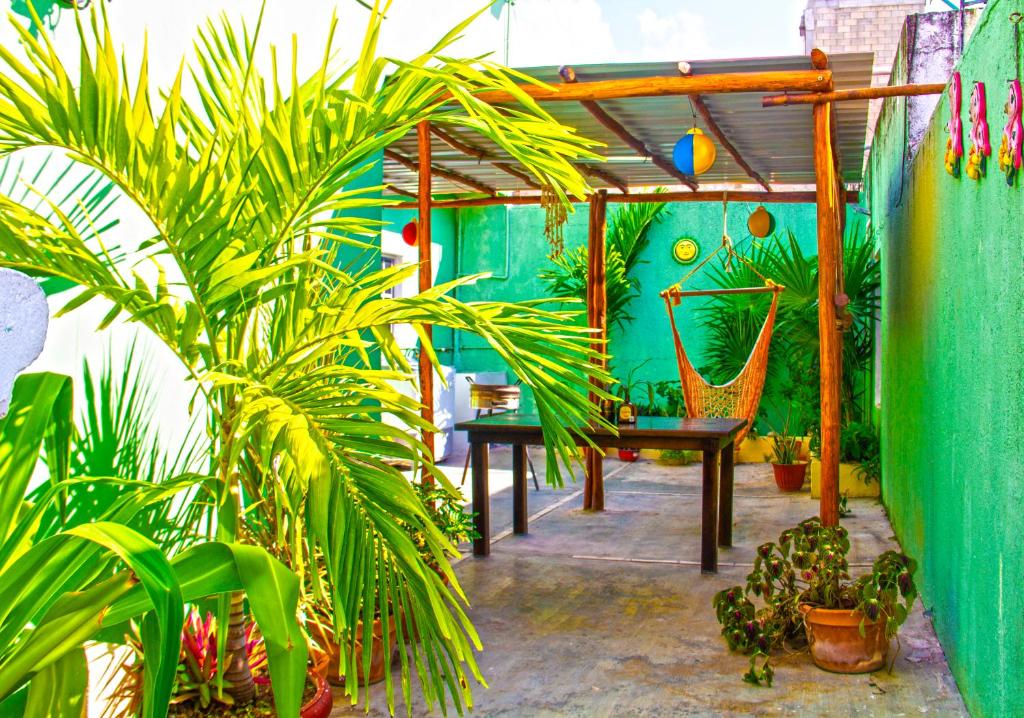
{"x":483,"y":246}
{"x":953,"y":379}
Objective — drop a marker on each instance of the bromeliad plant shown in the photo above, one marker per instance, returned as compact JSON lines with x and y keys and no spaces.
{"x":196,"y":684}
{"x":808,"y":565}
{"x":250,"y":192}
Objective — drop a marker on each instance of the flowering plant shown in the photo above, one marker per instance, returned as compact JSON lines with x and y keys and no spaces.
{"x":198,"y":683}
{"x":808,"y":565}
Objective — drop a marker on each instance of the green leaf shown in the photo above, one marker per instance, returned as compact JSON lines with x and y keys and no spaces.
{"x":60,"y":689}
{"x":40,"y":412}
{"x":162,"y":629}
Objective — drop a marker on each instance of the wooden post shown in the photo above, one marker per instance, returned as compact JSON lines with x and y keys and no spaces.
{"x":426,"y":278}
{"x":597,"y":318}
{"x":831,"y":339}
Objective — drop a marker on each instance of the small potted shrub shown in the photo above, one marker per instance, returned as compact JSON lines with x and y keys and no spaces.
{"x":197,"y":684}
{"x":800,"y":594}
{"x":789,"y":468}
{"x":790,"y":472}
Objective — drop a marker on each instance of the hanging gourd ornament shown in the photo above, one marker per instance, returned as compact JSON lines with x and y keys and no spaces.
{"x":694,"y":153}
{"x":410,"y":234}
{"x":761,"y":222}
{"x":981,"y":147}
{"x":1010,"y":149}
{"x":955,"y":142}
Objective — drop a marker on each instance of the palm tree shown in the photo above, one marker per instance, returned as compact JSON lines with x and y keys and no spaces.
{"x":249,"y":193}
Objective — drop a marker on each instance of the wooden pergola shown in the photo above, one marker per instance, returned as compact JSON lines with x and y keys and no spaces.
{"x":626,"y":106}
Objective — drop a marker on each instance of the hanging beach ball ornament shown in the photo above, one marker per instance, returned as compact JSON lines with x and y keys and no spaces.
{"x":761,"y":222}
{"x":409,"y":233}
{"x":694,"y":153}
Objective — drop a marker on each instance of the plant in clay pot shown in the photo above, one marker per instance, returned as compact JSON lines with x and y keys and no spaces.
{"x":789,"y":470}
{"x":199,"y":684}
{"x":806,"y":597}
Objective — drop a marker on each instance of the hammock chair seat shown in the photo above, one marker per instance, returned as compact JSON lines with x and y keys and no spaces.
{"x":740,"y":397}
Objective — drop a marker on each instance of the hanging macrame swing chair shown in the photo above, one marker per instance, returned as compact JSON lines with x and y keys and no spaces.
{"x":740,"y":397}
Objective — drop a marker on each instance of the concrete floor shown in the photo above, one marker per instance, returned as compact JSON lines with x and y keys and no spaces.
{"x":608,"y":614}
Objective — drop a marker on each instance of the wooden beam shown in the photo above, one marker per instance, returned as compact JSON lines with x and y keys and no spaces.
{"x":851,"y":197}
{"x":404,"y":193}
{"x":714,"y":129}
{"x":449,"y":175}
{"x":603,"y":175}
{"x":778,"y":81}
{"x":568,"y":76}
{"x":426,"y":279}
{"x":860,"y":93}
{"x":483,"y":156}
{"x":597,"y":318}
{"x":831,"y":338}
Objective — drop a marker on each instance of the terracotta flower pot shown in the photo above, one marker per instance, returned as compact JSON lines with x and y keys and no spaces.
{"x":836,"y":644}
{"x":790,"y":477}
{"x":328,"y":662}
{"x":629,"y":454}
{"x":319,"y":706}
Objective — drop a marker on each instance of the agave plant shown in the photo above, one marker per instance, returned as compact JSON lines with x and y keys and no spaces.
{"x":250,"y":192}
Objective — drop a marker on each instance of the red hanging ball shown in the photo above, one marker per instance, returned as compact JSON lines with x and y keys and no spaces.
{"x":409,"y":234}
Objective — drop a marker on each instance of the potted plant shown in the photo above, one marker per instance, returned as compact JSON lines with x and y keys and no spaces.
{"x":199,"y":683}
{"x":800,"y":593}
{"x":789,"y":469}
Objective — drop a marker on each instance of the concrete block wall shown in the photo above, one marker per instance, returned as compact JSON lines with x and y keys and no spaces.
{"x":839,"y":26}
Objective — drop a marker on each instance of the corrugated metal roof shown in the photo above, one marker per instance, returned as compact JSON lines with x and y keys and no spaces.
{"x":776,"y":142}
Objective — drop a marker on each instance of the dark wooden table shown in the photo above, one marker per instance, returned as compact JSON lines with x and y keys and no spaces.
{"x":712,"y":437}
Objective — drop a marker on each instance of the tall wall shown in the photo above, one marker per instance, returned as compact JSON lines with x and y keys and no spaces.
{"x":953,"y":384}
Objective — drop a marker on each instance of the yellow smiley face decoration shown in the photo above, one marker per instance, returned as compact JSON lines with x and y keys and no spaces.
{"x":685,"y":250}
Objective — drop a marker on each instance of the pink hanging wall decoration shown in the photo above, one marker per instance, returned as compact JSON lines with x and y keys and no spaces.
{"x":1010,"y":149}
{"x":955,"y":143}
{"x":981,"y":147}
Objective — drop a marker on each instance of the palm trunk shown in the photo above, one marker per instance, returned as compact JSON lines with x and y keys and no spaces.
{"x":237,"y":674}
{"x":240,"y":685}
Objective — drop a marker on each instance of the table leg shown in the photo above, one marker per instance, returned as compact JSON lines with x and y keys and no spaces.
{"x":519,"y":507}
{"x":481,"y":498}
{"x":725,"y":497}
{"x":709,"y":513}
